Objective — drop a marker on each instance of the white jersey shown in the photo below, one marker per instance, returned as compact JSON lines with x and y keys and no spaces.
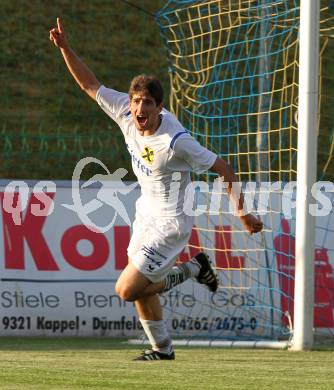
{"x":163,"y":161}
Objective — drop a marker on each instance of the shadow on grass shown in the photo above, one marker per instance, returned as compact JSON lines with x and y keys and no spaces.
{"x":62,"y":343}
{"x":93,"y":343}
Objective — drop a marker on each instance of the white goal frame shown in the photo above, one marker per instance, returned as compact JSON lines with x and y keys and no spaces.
{"x":306,"y":173}
{"x":308,"y":94}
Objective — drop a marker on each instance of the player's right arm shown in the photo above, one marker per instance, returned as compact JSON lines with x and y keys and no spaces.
{"x":78,"y":69}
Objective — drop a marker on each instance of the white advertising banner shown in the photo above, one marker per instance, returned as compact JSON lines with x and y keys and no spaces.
{"x":57,"y":276}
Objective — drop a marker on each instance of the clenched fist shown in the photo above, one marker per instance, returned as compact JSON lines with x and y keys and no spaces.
{"x":251,"y":223}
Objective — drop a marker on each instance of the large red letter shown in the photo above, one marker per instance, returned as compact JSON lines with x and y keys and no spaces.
{"x":92,"y":262}
{"x":224,"y":258}
{"x":121,"y":241}
{"x":30,"y":230}
{"x":192,"y":248}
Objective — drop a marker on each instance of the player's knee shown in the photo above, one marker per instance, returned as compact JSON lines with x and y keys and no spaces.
{"x":125,"y":292}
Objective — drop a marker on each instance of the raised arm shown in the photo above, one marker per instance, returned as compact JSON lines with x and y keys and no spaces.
{"x":224,"y":170}
{"x":78,"y":69}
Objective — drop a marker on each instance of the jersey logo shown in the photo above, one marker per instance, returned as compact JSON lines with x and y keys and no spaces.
{"x":148,"y":154}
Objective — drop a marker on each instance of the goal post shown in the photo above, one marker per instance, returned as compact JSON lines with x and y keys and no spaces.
{"x":241,"y":83}
{"x":306,"y":172}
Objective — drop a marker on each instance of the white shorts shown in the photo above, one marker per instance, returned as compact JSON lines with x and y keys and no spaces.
{"x":156,"y":242}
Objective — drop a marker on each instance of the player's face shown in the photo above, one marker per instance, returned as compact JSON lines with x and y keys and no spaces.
{"x":145,"y":112}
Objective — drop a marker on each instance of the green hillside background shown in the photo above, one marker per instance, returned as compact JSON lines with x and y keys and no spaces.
{"x":47,"y":123}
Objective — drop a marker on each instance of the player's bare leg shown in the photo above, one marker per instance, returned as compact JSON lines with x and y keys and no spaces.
{"x":150,"y":314}
{"x":149,"y":308}
{"x":132,"y":285}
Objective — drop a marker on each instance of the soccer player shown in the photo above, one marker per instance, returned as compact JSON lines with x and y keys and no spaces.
{"x":163,"y":155}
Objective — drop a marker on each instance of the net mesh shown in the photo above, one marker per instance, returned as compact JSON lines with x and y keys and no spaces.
{"x":234,"y":75}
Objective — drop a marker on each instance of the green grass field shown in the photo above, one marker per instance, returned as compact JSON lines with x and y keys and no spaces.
{"x":59,"y":363}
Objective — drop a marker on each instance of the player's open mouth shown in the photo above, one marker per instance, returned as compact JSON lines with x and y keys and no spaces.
{"x":142,"y":120}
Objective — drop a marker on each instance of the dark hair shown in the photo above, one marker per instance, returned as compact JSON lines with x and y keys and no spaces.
{"x":148,"y":84}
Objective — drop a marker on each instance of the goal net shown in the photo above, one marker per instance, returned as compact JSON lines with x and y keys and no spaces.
{"x":234,"y":85}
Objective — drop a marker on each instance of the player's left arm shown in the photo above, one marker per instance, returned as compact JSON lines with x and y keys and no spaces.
{"x":225,"y":171}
